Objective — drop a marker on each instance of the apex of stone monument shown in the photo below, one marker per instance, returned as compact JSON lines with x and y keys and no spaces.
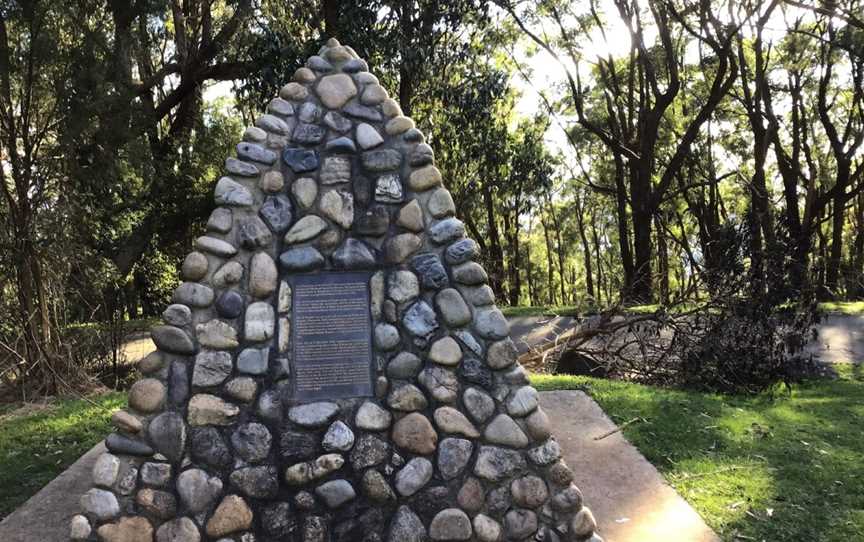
{"x":334,"y":367}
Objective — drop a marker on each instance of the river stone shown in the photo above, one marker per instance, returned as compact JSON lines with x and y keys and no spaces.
{"x":404,"y":366}
{"x":386,"y":336}
{"x":300,"y":160}
{"x":147,"y":395}
{"x":194,"y":266}
{"x":194,"y":295}
{"x":522,"y":402}
{"x":128,"y":529}
{"x":402,"y":286}
{"x":529,"y":491}
{"x":441,"y":383}
{"x":373,"y":95}
{"x":178,"y":530}
{"x":335,"y":493}
{"x":478,"y":404}
{"x":278,"y":520}
{"x":338,"y":206}
{"x":211,"y":368}
{"x":468,"y":341}
{"x":301,"y":259}
{"x":420,"y":320}
{"x":205,"y":409}
{"x":503,"y":430}
{"x":79,"y":527}
{"x":432,"y":273}
{"x":475,"y":372}
{"x":453,"y":456}
{"x":253,"y":233}
{"x":177,"y":315}
{"x":101,"y":504}
{"x":341,"y":145}
{"x":445,"y":351}
{"x":491,"y":324}
{"x":280,"y":107}
{"x":197,"y":489}
{"x":242,"y":389}
{"x":369,"y":451}
{"x":232,"y":515}
{"x":178,"y":383}
{"x":313,"y":414}
{"x":294,"y":91}
{"x":336,"y":170}
{"x":228,"y":274}
{"x":462,"y":251}
{"x":297,"y":445}
{"x":262,"y":275}
{"x":362,"y":112}
{"x":335,"y":90}
{"x":337,"y":122}
{"x":440,"y":204}
{"x":502,"y":354}
{"x":253,"y":361}
{"x":424,"y":178}
{"x":537,"y":425}
{"x":230,"y":304}
{"x":251,"y":442}
{"x":381,"y":160}
{"x":215,"y":246}
{"x":407,"y":398}
{"x":373,"y":222}
{"x":277,"y":212}
{"x":479,"y":296}
{"x":421,"y":155}
{"x":306,"y":228}
{"x":260,"y":322}
{"x":375,"y":487}
{"x":338,"y":438}
{"x":495,"y":464}
{"x":256,"y":482}
{"x":583,"y":523}
{"x":217,"y":334}
{"x":407,"y":527}
{"x":303,"y":473}
{"x":372,"y":417}
{"x":156,"y":474}
{"x":398,"y":125}
{"x":126,"y":422}
{"x":450,"y":420}
{"x":411,"y":217}
{"x":121,"y":444}
{"x":158,"y":503}
{"x":399,"y":247}
{"x":471,"y":495}
{"x":353,"y":254}
{"x":307,"y":134}
{"x":446,"y":230}
{"x":415,"y":434}
{"x":367,"y":136}
{"x":105,"y":470}
{"x":546,"y":453}
{"x":413,"y":476}
{"x":255,"y":153}
{"x":272,"y":123}
{"x":230,"y":192}
{"x":454,"y":311}
{"x":168,"y":435}
{"x":388,"y":188}
{"x":450,"y":524}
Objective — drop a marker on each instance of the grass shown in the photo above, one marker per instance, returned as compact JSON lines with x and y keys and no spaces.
{"x":38,"y":443}
{"x":544,"y":310}
{"x":843,"y":307}
{"x":767,"y":468}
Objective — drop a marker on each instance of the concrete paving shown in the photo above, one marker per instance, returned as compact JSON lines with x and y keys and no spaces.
{"x":841,"y":339}
{"x":631,"y":501}
{"x":530,"y":331}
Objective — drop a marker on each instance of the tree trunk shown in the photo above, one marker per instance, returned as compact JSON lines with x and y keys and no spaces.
{"x":856,"y":285}
{"x":838,"y":220}
{"x":330,"y":10}
{"x":550,"y":270}
{"x":586,"y":250}
{"x":496,"y":253}
{"x":663,"y":261}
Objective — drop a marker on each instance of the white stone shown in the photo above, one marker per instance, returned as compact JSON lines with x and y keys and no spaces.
{"x":372,"y":417}
{"x":230,"y":192}
{"x":335,"y":90}
{"x":388,"y":188}
{"x":262,"y":275}
{"x":105,"y":470}
{"x":284,"y":304}
{"x":215,"y":246}
{"x":79,"y":528}
{"x":403,"y":286}
{"x":306,"y":228}
{"x":368,"y":137}
{"x":217,"y":335}
{"x":260,"y":322}
{"x":305,"y":189}
{"x":446,"y":351}
{"x":338,"y":206}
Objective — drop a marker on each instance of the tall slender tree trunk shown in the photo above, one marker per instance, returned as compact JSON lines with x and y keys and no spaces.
{"x":550,"y":266}
{"x":586,"y":250}
{"x":838,"y":221}
{"x":496,"y":252}
{"x":663,"y":261}
{"x":856,"y":286}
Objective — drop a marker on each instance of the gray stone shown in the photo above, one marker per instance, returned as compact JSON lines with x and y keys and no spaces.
{"x":479,"y":296}
{"x":505,"y":431}
{"x":546,"y":453}
{"x":297,"y":445}
{"x":515,"y":376}
{"x":407,"y":527}
{"x":79,"y":528}
{"x":502,"y":354}
{"x":399,"y":247}
{"x":388,"y":188}
{"x":454,"y":311}
{"x":367,"y":136}
{"x":278,"y":520}
{"x":126,"y":422}
{"x":495,"y":464}
{"x":372,"y":417}
{"x":369,"y":451}
{"x":446,"y":230}
{"x":450,"y":420}
{"x":402,"y":286}
{"x":583,"y":524}
{"x":413,"y":476}
{"x":262,"y":275}
{"x":177,"y":315}
{"x":301,"y":259}
{"x":270,"y":406}
{"x":255,"y":153}
{"x":404,"y":366}
{"x":353,"y":254}
{"x":411,"y":216}
{"x":307,"y":134}
{"x":251,"y":441}
{"x":278,"y":212}
{"x":253,"y":361}
{"x":253,"y":233}
{"x":156,"y":474}
{"x":445,"y":351}
{"x":197,"y":489}
{"x":413,"y":136}
{"x":424,"y":178}
{"x":313,"y":414}
{"x":260,"y":321}
{"x":121,"y":444}
{"x":373,"y":94}
{"x":335,"y":493}
{"x":341,"y":145}
{"x":160,"y":504}
{"x":168,"y":435}
{"x":471,"y":495}
{"x":254,"y":134}
{"x":529,"y":491}
{"x":519,"y":523}
{"x":101,"y":504}
{"x":414,"y":433}
{"x":242,"y":389}
{"x":178,"y":530}
{"x":381,"y":160}
{"x":194,"y":266}
{"x":256,"y":482}
{"x":362,"y":112}
{"x":215,"y":246}
{"x":338,"y":206}
{"x":453,"y":456}
{"x":407,"y":398}
{"x":272,"y":182}
{"x":205,"y":409}
{"x":421,"y":155}
{"x":220,"y":220}
{"x":386,"y":336}
{"x":375,"y":487}
{"x":335,"y":90}
{"x":280,"y":107}
{"x":355,"y":65}
{"x":306,"y":228}
{"x":300,"y":160}
{"x":309,"y":112}
{"x":470,"y":273}
{"x":216,"y":334}
{"x":230,"y":304}
{"x":440,"y":204}
{"x":373,"y":222}
{"x":479,"y":405}
{"x":451,"y":524}
{"x":522,"y":402}
{"x":338,"y":438}
{"x":491,"y":324}
{"x":468,"y":341}
{"x":432,"y":273}
{"x":474,"y":371}
{"x":486,"y":529}
{"x":105,"y":470}
{"x":272,"y":123}
{"x":147,"y":395}
{"x":336,"y":170}
{"x":230,"y":273}
{"x":462,"y":251}
{"x":178,"y":383}
{"x":441,"y":383}
{"x":194,"y":295}
{"x":420,"y":320}
{"x":230,"y":192}
{"x":567,"y":500}
{"x":211,"y":368}
{"x":337,"y":122}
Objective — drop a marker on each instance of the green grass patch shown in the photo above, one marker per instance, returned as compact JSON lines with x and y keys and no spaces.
{"x":544,"y":310}
{"x":37,"y":445}
{"x":843,"y":307}
{"x":782,"y":467}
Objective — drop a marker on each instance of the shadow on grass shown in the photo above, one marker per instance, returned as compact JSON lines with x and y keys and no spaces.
{"x":787,"y":467}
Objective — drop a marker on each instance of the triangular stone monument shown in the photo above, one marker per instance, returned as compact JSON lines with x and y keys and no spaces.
{"x":334,"y":367}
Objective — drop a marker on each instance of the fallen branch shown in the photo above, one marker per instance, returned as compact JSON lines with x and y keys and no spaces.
{"x":619,"y":428}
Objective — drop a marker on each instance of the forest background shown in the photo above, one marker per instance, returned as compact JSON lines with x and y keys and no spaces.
{"x":601,"y":152}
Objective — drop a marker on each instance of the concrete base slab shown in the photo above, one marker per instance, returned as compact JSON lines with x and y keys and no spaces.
{"x":629,"y":498}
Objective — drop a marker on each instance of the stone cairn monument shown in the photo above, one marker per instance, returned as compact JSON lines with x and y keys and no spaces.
{"x":334,"y":367}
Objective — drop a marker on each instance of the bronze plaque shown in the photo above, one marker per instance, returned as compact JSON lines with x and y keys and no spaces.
{"x":331,"y":336}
